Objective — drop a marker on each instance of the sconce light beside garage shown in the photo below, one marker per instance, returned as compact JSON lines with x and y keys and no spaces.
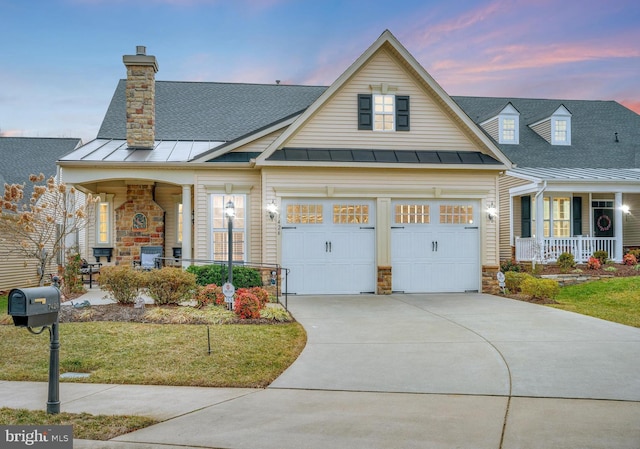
{"x":272,"y":210}
{"x":492,"y":212}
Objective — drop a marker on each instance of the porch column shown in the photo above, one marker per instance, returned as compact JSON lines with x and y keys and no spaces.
{"x":187,"y":227}
{"x":617,"y":228}
{"x":539,"y":231}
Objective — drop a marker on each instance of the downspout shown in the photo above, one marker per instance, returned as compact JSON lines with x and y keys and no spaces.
{"x":539,"y":240}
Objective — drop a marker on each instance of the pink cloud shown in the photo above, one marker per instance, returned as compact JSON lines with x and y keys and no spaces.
{"x":634,"y":105}
{"x":12,"y":133}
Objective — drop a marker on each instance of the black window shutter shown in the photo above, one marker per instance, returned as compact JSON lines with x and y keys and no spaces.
{"x":365,"y":111}
{"x":525,"y":215}
{"x":402,"y":113}
{"x":576,"y":214}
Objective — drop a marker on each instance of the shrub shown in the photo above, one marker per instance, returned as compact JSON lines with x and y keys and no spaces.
{"x":635,"y":252}
{"x":122,"y":282}
{"x":209,"y":294}
{"x":513,"y":280}
{"x":602,"y":256}
{"x":630,"y":259}
{"x":275,"y":314}
{"x":246,"y":305}
{"x":170,"y":285}
{"x":511,"y":265}
{"x":71,"y":276}
{"x":593,"y":263}
{"x":566,"y":261}
{"x":243,"y":277}
{"x":261,"y":294}
{"x":540,"y":288}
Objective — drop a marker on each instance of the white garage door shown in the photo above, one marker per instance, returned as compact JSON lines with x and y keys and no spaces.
{"x":435,"y":246}
{"x":329,"y":246}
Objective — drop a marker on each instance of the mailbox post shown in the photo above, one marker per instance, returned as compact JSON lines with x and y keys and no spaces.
{"x":39,"y":307}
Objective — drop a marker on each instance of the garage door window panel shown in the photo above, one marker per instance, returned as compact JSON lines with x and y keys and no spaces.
{"x":456,"y":214}
{"x":304,"y":214}
{"x":412,"y":214}
{"x":350,"y":214}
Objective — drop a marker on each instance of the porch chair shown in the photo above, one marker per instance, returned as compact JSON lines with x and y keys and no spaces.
{"x":149,"y":258}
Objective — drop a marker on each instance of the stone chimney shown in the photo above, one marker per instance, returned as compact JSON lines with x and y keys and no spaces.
{"x":141,"y":98}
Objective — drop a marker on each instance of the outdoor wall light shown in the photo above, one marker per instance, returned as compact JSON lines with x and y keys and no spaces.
{"x":625,"y":209}
{"x":492,"y":212}
{"x":272,"y":210}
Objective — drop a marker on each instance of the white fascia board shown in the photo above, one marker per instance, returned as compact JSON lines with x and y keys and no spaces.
{"x":385,"y":166}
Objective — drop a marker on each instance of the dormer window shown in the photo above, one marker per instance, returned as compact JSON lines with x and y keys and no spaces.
{"x":555,"y":129}
{"x":505,"y":127}
{"x":561,"y":127}
{"x":383,"y":111}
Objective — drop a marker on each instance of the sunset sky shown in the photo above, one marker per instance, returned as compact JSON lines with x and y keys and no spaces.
{"x":61,"y":59}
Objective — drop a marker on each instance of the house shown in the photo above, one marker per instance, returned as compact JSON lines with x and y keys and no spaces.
{"x":575,"y":186}
{"x":21,"y":157}
{"x":380,"y":182}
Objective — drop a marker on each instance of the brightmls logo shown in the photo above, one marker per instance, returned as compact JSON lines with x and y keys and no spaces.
{"x":54,"y":437}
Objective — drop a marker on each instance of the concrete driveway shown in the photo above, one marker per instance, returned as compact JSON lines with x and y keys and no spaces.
{"x":430,"y":371}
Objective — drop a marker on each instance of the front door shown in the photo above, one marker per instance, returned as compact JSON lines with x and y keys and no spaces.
{"x":603,"y":222}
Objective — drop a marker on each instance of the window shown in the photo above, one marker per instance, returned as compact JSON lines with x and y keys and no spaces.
{"x":220,"y":233}
{"x":456,"y":214}
{"x":383,"y":112}
{"x":412,"y":214}
{"x":103,"y":221}
{"x":509,"y":125}
{"x":304,"y":213}
{"x":561,"y":127}
{"x":508,"y":130}
{"x":350,"y":214}
{"x":556,"y":216}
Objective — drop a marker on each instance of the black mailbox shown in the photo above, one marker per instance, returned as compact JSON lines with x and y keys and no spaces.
{"x":34,"y":307}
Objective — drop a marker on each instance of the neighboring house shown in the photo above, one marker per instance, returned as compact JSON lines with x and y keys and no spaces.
{"x":381,"y":182}
{"x":576,"y":184}
{"x":21,"y":157}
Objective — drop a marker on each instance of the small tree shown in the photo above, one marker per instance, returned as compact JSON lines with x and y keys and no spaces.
{"x":38,"y":226}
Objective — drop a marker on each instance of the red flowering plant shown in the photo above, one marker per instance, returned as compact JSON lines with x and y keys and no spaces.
{"x":210,"y":294}
{"x":261,"y":294}
{"x":593,"y":263}
{"x":630,"y":259}
{"x":246,"y":304}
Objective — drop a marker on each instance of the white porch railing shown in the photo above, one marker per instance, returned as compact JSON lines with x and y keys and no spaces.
{"x":529,"y":249}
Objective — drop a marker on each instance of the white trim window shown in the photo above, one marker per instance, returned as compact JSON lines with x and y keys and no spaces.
{"x":104,"y":211}
{"x":556,"y":216}
{"x":179,"y":223}
{"x":384,"y":111}
{"x":561,"y":127}
{"x":509,"y":126}
{"x":219,"y":232}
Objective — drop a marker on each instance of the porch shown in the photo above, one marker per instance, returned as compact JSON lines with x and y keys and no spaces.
{"x":529,"y":249}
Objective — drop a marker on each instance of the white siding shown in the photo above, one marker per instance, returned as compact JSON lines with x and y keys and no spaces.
{"x":543,"y":129}
{"x":335,"y":124}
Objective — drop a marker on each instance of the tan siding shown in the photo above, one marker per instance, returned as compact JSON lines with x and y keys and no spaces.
{"x":631,"y":223}
{"x":335,"y":124}
{"x":18,"y":272}
{"x":167,"y":198}
{"x":215,"y":181}
{"x":506,"y":183}
{"x":544,"y":130}
{"x":260,"y":144}
{"x":390,"y":183}
{"x":492,"y":127}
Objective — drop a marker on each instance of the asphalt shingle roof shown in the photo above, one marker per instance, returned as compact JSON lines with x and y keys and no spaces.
{"x":24,"y":156}
{"x":593,"y":128}
{"x":212,"y":111}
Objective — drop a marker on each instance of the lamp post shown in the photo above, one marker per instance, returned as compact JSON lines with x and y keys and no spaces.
{"x":230,"y":212}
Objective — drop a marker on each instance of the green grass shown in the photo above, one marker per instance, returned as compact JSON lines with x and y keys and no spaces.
{"x":85,"y":426}
{"x":615,"y":299}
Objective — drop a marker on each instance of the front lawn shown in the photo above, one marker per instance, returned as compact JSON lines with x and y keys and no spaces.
{"x":616,"y":299}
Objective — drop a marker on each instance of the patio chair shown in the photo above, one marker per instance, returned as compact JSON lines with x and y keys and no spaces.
{"x":149,"y":258}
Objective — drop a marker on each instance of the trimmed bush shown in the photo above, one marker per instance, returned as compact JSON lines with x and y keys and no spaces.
{"x":636,"y":253}
{"x":275,"y":314}
{"x":511,"y":265}
{"x":566,"y":261}
{"x":602,"y":256}
{"x":243,"y":277}
{"x":513,"y":280}
{"x":593,"y":263}
{"x":630,"y":259}
{"x":122,"y":282}
{"x":170,"y":285}
{"x":246,"y":305}
{"x":208,"y":295}
{"x":537,"y":288}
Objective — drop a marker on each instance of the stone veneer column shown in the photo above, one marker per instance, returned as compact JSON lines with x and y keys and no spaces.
{"x":384,"y":281}
{"x":140,"y":99}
